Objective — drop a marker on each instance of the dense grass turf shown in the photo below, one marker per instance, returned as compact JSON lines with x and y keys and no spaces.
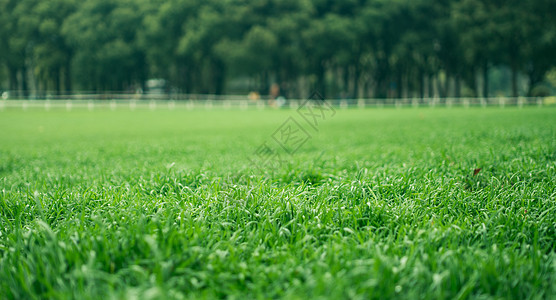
{"x":378,"y":203}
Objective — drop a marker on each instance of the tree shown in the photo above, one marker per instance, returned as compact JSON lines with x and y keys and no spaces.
{"x":541,"y":41}
{"x":18,"y":34}
{"x":383,"y":23}
{"x":107,"y":55}
{"x":477,"y":30}
{"x":163,"y":27}
{"x":52,"y":54}
{"x":385,"y":48}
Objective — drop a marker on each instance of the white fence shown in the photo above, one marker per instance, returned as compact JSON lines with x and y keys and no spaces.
{"x":243,"y":103}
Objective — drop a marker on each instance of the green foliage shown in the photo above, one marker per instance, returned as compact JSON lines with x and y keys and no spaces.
{"x":104,"y":35}
{"x":379,"y":48}
{"x":379,"y":204}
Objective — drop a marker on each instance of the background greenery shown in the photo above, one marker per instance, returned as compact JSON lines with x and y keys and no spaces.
{"x":354,"y":48}
{"x":378,"y":204}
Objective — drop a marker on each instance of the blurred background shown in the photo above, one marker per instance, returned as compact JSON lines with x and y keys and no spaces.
{"x":346,"y":49}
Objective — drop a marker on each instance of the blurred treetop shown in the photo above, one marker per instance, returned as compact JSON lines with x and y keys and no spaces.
{"x":347,"y":48}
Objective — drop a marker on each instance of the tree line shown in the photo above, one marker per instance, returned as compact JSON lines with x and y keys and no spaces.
{"x":353,"y":48}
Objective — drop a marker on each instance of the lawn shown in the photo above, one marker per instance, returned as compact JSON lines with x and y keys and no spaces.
{"x":184,"y":204}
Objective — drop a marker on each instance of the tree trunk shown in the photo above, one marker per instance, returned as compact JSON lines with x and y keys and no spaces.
{"x":57,"y":81}
{"x":446,"y":86}
{"x":13,"y":79}
{"x":421,"y":84}
{"x":442,"y":86}
{"x":219,"y":77}
{"x":24,"y":85}
{"x":514,"y":82}
{"x":356,"y":77}
{"x":399,"y":87}
{"x":382,"y":78}
{"x":320,"y":85}
{"x":345,"y":84}
{"x":485,"y":80}
{"x":457,"y":90}
{"x":186,"y":80}
{"x":470,"y":79}
{"x":67,"y":77}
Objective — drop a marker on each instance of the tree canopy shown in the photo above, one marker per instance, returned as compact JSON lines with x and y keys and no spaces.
{"x":353,"y":48}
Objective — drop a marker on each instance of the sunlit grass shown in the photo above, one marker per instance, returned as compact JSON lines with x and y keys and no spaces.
{"x":377,"y":204}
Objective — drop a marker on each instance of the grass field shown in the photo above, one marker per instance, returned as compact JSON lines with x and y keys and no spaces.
{"x":378,"y":203}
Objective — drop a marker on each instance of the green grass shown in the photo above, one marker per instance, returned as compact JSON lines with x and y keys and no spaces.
{"x":379,"y":203}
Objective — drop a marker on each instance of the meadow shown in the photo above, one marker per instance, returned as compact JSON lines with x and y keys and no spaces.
{"x":443,"y":203}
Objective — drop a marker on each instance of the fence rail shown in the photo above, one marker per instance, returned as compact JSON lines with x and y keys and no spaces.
{"x":243,"y":103}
